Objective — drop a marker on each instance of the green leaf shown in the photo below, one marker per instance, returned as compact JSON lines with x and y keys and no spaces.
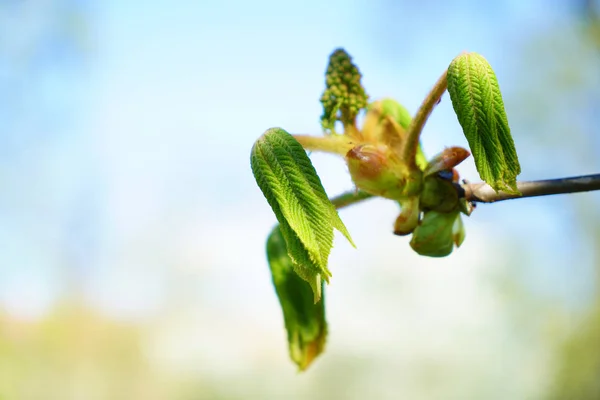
{"x":294,"y":191}
{"x":435,"y":235}
{"x":304,"y":320}
{"x":478,"y":104}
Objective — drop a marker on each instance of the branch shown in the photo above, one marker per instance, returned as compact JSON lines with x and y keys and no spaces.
{"x":482,"y":193}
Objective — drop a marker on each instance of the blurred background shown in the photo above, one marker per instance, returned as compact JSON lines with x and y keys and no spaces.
{"x":132,"y":232}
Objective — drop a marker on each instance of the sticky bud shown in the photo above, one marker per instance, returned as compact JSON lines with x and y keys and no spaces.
{"x":371,"y":171}
{"x":446,"y":160}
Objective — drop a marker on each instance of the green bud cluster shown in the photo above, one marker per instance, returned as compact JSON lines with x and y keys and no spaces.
{"x":344,"y":95}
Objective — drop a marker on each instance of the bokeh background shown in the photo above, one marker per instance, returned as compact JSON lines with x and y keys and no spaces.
{"x":132,"y":233}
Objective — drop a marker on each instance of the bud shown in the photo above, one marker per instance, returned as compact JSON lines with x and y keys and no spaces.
{"x":344,"y":94}
{"x":435,"y":235}
{"x":439,"y":194}
{"x":446,"y":160}
{"x":371,"y":171}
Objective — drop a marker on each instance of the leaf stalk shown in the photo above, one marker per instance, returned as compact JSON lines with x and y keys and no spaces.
{"x":413,"y":133}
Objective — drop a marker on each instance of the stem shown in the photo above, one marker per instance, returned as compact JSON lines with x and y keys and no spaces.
{"x":336,"y":144}
{"x":411,"y":143}
{"x":349,"y":198}
{"x":482,"y":193}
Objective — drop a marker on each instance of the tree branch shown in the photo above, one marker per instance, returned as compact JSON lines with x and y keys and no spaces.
{"x":482,"y":193}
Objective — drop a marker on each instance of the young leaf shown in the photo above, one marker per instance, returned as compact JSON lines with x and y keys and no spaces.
{"x":387,"y":121}
{"x":397,"y":111}
{"x":435,"y":235}
{"x":304,"y":320}
{"x":294,"y":191}
{"x":478,"y":104}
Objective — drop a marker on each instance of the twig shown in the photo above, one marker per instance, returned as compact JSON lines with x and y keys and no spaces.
{"x":413,"y":132}
{"x":349,"y":198}
{"x":482,"y":193}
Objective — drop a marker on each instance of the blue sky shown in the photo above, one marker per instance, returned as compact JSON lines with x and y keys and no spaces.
{"x":155,"y":127}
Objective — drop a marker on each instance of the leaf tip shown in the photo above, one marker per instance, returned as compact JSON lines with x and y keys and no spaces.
{"x":304,"y":354}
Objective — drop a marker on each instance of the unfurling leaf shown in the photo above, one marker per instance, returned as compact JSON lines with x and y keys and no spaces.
{"x":294,"y":191}
{"x":304,"y":320}
{"x":478,"y":104}
{"x":397,"y":111}
{"x":386,"y":122}
{"x":436,"y":236}
{"x":439,"y":195}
